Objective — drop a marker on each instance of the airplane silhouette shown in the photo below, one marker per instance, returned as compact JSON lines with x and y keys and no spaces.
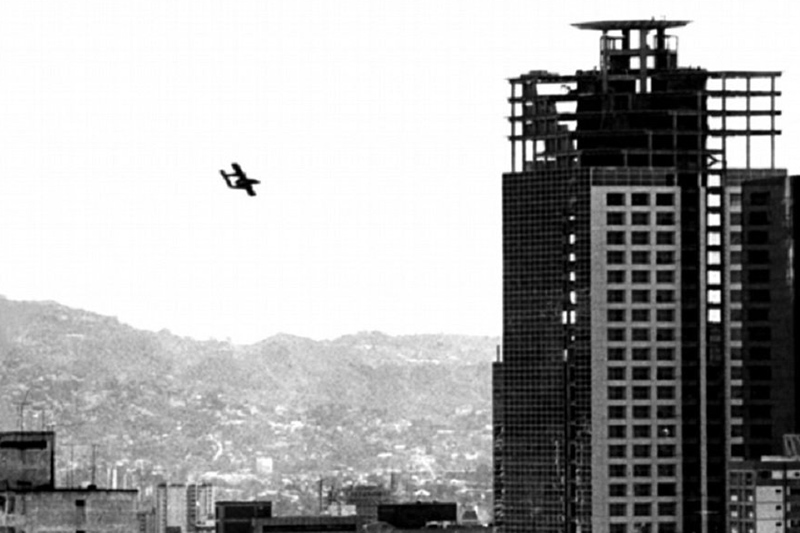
{"x":242,"y":181}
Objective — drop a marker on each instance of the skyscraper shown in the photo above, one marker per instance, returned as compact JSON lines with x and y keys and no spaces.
{"x":649,"y":304}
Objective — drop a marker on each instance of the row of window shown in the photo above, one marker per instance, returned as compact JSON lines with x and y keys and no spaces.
{"x":640,"y":296}
{"x":641,"y":393}
{"x":641,"y":432}
{"x":640,"y":373}
{"x":620,"y":490}
{"x":640,"y":315}
{"x":640,"y":334}
{"x":619,"y":412}
{"x":618,"y":470}
{"x":663,"y":527}
{"x":640,"y":237}
{"x":640,"y":198}
{"x":640,"y":218}
{"x":640,"y":451}
{"x":643,"y":509}
{"x":640,"y":257}
{"x":641,"y":353}
{"x":640,"y":276}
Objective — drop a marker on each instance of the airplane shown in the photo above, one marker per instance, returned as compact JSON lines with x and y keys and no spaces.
{"x":242,"y":181}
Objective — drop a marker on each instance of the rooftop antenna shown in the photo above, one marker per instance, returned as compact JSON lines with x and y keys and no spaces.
{"x":22,"y":405}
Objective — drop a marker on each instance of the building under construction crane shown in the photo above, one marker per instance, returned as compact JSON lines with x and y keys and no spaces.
{"x":648,"y":304}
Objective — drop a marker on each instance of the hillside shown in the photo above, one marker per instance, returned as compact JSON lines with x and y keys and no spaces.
{"x":265,"y":418}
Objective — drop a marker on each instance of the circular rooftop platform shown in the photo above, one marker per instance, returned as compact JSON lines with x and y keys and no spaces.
{"x":652,"y":24}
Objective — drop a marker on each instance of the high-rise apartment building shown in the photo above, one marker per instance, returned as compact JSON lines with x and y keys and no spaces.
{"x":649,"y":301}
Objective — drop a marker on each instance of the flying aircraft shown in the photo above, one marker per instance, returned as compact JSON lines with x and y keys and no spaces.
{"x":242,"y":181}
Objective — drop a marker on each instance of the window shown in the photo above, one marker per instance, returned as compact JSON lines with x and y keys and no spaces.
{"x":760,"y":218}
{"x":616,"y":393}
{"x":665,"y":334}
{"x":666,"y":470}
{"x":641,"y":334}
{"x":641,"y":393}
{"x":665,"y":393}
{"x":758,"y":237}
{"x":615,"y":198}
{"x":617,"y":509}
{"x":615,"y":315}
{"x":617,"y":490}
{"x":666,"y":509}
{"x":640,"y":315}
{"x":641,"y":411}
{"x":665,"y":354}
{"x":616,"y":354}
{"x":616,"y":334}
{"x":640,"y":219}
{"x":666,"y":412}
{"x":641,"y":509}
{"x":641,"y":450}
{"x":615,"y":296}
{"x":641,"y":354}
{"x":617,"y":451}
{"x":666,"y":450}
{"x":665,"y":198}
{"x":640,"y":198}
{"x":641,"y":373}
{"x":759,"y":198}
{"x":615,"y":237}
{"x":641,"y":470}
{"x":664,"y":218}
{"x":616,"y":373}
{"x":640,"y":257}
{"x":665,"y":315}
{"x":665,"y":276}
{"x":665,"y":258}
{"x":665,"y":296}
{"x":760,"y":295}
{"x":758,"y":314}
{"x":616,"y":412}
{"x":615,"y":218}
{"x":666,"y":431}
{"x":665,"y":237}
{"x":736,"y":237}
{"x":615,"y":257}
{"x":641,"y":276}
{"x":640,"y":237}
{"x":616,"y":432}
{"x":665,"y":373}
{"x":758,"y":257}
{"x":642,"y":489}
{"x":615,"y":276}
{"x":617,"y":470}
{"x":640,"y":296}
{"x":641,"y":432}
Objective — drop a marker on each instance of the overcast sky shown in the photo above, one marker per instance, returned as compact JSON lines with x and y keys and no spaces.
{"x":377,"y":130}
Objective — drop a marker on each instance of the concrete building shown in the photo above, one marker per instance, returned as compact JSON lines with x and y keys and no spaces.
{"x":239,"y":517}
{"x":27,"y":460}
{"x":172,"y":512}
{"x":200,"y":506}
{"x":764,"y":496}
{"x":308,"y":524}
{"x":648,"y":296}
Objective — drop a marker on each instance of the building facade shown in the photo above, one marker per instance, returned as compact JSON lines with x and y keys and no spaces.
{"x":649,"y":307}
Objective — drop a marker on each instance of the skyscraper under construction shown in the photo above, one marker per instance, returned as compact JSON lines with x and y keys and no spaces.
{"x":649,"y":302}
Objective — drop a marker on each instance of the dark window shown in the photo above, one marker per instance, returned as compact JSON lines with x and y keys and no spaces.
{"x":640,"y":219}
{"x":616,"y":372}
{"x":736,"y":219}
{"x":759,"y":334}
{"x":758,"y":257}
{"x":641,"y":509}
{"x":665,"y":393}
{"x":665,"y":411}
{"x":617,"y":509}
{"x":666,"y":450}
{"x":640,"y":237}
{"x":640,"y":257}
{"x":666,"y":432}
{"x":665,"y":373}
{"x":758,"y":237}
{"x":615,"y":315}
{"x":616,"y":393}
{"x":615,"y":218}
{"x":666,"y":470}
{"x":641,"y":470}
{"x":616,"y":296}
{"x":615,"y":198}
{"x":618,"y":490}
{"x":665,"y":276}
{"x":640,"y":296}
{"x":759,"y":198}
{"x":640,"y":198}
{"x":641,"y":354}
{"x":665,"y":237}
{"x":760,"y":218}
{"x":758,"y":314}
{"x":641,"y":432}
{"x":760,"y":353}
{"x":616,"y":276}
{"x":665,"y":258}
{"x":758,"y":276}
{"x":615,"y":237}
{"x":736,"y":237}
{"x":642,"y":489}
{"x":666,"y":509}
{"x":617,"y":470}
{"x":640,"y":315}
{"x":665,"y":198}
{"x":759,"y":295}
{"x":641,"y":373}
{"x":641,"y":450}
{"x":616,"y":412}
{"x":616,"y":432}
{"x":616,"y":334}
{"x":640,"y":276}
{"x":641,"y":334}
{"x":615,"y":257}
{"x":641,"y":411}
{"x":665,"y":334}
{"x":641,"y":393}
{"x":616,"y":451}
{"x":664,"y":296}
{"x":616,"y":354}
{"x":760,"y":373}
{"x":665,"y":354}
{"x":665,"y":219}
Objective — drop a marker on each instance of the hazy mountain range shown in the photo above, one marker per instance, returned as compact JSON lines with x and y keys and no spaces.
{"x":285,"y":406}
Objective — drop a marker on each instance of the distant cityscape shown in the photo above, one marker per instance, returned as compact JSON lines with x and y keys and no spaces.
{"x":646,"y":380}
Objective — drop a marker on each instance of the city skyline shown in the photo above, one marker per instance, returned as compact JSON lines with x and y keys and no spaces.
{"x":377,"y":132}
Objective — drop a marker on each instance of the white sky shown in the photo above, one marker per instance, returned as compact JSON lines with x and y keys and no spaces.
{"x":377,"y":130}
